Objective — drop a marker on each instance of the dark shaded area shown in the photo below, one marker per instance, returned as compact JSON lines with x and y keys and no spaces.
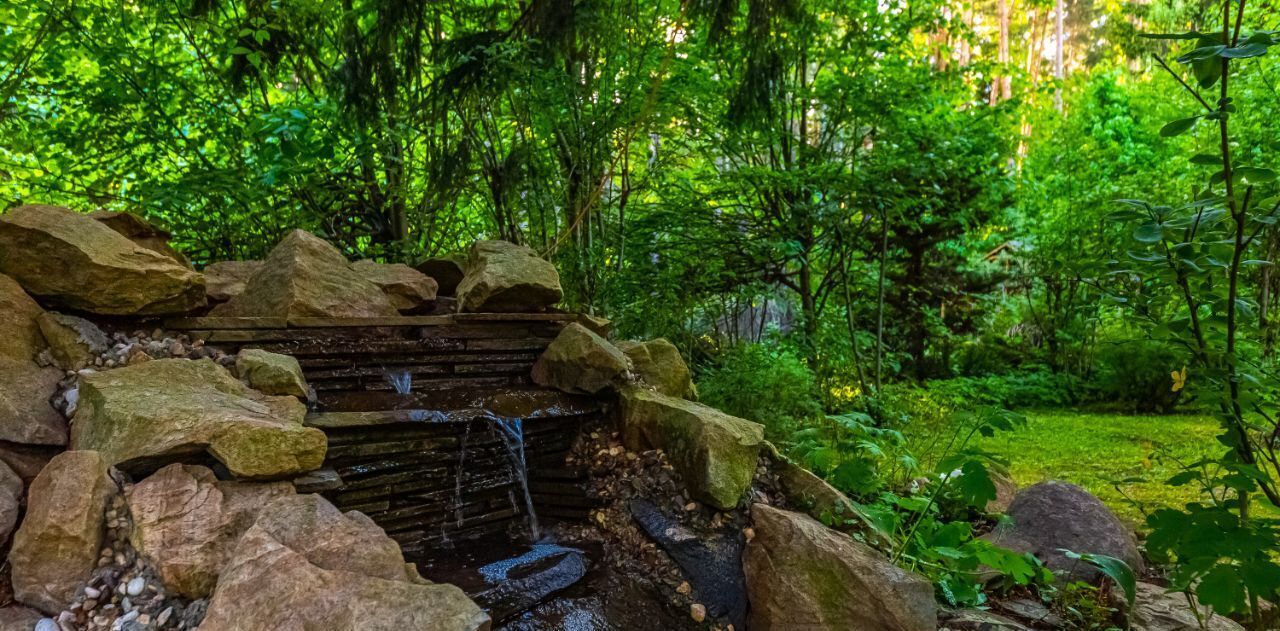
{"x":712,"y":562}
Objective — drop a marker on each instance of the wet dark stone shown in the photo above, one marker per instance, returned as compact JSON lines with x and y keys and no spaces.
{"x":527,"y":586}
{"x":712,"y":563}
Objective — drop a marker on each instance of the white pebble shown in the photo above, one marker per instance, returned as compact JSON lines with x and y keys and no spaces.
{"x":90,"y":592}
{"x":136,"y":586}
{"x":46,"y":624}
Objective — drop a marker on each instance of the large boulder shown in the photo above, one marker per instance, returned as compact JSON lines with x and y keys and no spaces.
{"x":26,"y":416}
{"x":68,"y":258}
{"x":504,"y":277}
{"x":137,"y":230}
{"x":713,"y":452}
{"x":446,"y":270}
{"x":579,"y":361}
{"x":1158,"y":610}
{"x":155,"y":412}
{"x":20,"y":336}
{"x":1049,"y":517}
{"x":304,"y":276}
{"x":803,"y":576}
{"x":74,"y":342}
{"x":306,"y":565}
{"x":57,"y":545}
{"x":186,"y":523}
{"x":818,"y":499}
{"x":10,"y":501}
{"x":18,"y":618}
{"x":407,"y":288}
{"x":27,"y":460}
{"x":271,"y":373}
{"x":225,"y":280}
{"x":659,"y":364}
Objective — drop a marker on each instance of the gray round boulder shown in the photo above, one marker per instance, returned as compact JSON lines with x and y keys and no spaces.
{"x":1053,"y":516}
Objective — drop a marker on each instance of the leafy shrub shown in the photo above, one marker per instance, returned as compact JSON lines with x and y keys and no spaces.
{"x":772,"y":387}
{"x":1136,"y":375}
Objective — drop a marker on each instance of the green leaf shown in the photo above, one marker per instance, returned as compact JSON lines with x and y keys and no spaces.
{"x":1178,"y":127}
{"x":1151,"y":232}
{"x":1253,"y":175}
{"x":1223,"y":589}
{"x":1207,"y":159}
{"x":1113,"y":568}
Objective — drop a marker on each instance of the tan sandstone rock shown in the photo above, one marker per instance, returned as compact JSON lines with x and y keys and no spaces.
{"x":271,"y":373}
{"x":803,"y":576}
{"x":305,"y":276}
{"x":153,"y":412}
{"x":579,"y":361}
{"x":225,"y":280}
{"x":57,"y":545}
{"x":407,"y":288}
{"x":20,"y":336}
{"x":186,"y":522}
{"x":505,"y":277}
{"x":26,"y":416}
{"x":10,"y":501}
{"x":68,"y":258}
{"x":137,"y":230}
{"x":305,"y":565}
{"x":74,"y":342}
{"x":27,"y":460}
{"x":713,"y":452}
{"x":659,"y":364}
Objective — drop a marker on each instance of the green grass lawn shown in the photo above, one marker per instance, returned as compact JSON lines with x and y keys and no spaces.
{"x":1092,"y":450}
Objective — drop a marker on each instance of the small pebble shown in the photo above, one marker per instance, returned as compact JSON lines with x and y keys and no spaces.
{"x":684,"y":588}
{"x":136,"y":586}
{"x":698,"y":612}
{"x":47,"y":624}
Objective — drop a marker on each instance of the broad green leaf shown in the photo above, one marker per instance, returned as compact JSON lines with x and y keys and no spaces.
{"x":1178,"y":127}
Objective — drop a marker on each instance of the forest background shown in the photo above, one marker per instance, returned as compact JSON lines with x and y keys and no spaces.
{"x":863,"y":221}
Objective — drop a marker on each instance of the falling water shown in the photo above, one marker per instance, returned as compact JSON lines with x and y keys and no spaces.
{"x":462,"y":462}
{"x":401,"y":380}
{"x":511,"y":430}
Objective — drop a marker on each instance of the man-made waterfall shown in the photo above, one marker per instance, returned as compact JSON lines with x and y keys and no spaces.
{"x":401,"y":380}
{"x":511,"y":431}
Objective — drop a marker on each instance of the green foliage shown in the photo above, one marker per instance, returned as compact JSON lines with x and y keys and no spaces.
{"x":1113,"y":568}
{"x":770,"y":386}
{"x":1136,"y":374}
{"x":1183,"y":282}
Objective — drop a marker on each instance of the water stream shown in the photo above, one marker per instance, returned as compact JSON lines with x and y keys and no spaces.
{"x":401,"y":380}
{"x":511,"y":431}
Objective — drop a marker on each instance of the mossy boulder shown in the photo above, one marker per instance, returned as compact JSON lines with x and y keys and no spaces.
{"x":271,"y":373}
{"x":505,"y":277}
{"x":713,"y":452}
{"x":20,"y":336}
{"x":57,"y":545}
{"x":68,"y":258}
{"x":803,"y":576}
{"x":74,"y":342}
{"x":659,"y":363}
{"x":407,"y":288}
{"x":579,"y":361}
{"x":305,"y":276}
{"x":149,"y":414}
